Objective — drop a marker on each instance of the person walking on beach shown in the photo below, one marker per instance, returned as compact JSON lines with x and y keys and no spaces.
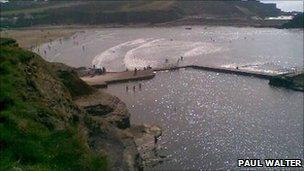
{"x":177,"y":62}
{"x":139,"y":86}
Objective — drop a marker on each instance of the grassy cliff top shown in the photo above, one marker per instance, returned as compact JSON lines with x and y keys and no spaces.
{"x":41,"y":126}
{"x":22,"y":14}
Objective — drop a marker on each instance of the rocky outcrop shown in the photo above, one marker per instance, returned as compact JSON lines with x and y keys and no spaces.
{"x":146,"y":137}
{"x":118,"y":116}
{"x":98,"y":110}
{"x":291,"y":81}
{"x":128,"y":147}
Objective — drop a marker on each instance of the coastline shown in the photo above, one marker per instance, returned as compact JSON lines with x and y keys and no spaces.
{"x":142,"y":85}
{"x":134,"y":141}
{"x":45,"y":33}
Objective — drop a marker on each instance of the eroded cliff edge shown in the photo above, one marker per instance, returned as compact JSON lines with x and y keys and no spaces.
{"x":52,"y":120}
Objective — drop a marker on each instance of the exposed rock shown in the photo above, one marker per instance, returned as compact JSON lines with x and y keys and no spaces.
{"x":146,"y":137}
{"x":98,"y":110}
{"x":135,"y":146}
{"x":119,"y":116}
{"x":291,"y":81}
{"x":120,"y":149}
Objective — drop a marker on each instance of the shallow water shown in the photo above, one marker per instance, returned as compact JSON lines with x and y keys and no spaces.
{"x":209,"y":120}
{"x":121,"y":48}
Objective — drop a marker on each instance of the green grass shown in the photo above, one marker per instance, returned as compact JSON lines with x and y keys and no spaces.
{"x":38,"y":9}
{"x":30,"y":137}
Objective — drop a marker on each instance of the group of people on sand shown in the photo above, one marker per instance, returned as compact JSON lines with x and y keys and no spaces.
{"x":49,"y":46}
{"x":96,"y":71}
{"x":147,"y":67}
{"x":134,"y":87}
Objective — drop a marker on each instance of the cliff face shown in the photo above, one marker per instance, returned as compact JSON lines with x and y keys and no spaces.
{"x":41,"y":127}
{"x":52,"y":120}
{"x":19,"y":14}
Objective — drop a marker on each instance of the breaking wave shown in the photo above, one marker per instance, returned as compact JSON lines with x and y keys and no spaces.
{"x":143,"y":52}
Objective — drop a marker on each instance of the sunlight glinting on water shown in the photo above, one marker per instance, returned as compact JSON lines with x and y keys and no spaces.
{"x":209,"y":120}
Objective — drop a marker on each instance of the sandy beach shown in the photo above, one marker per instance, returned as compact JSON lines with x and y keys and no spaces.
{"x":31,"y":37}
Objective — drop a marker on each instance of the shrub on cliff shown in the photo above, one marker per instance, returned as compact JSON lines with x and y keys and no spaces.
{"x":8,"y":42}
{"x":38,"y":129}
